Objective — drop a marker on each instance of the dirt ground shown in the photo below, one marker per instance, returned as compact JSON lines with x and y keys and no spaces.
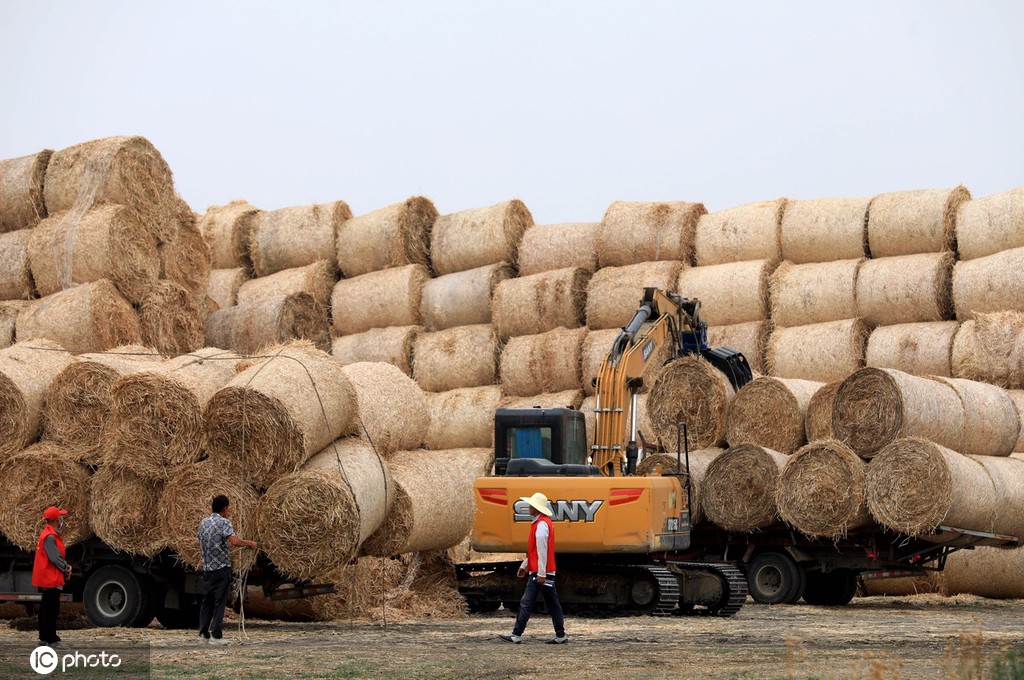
{"x":924,"y":636}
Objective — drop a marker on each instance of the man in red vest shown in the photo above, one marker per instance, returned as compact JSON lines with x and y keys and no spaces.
{"x":539,"y":570}
{"x":49,"y":572}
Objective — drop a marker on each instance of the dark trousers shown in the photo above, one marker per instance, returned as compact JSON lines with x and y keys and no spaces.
{"x":216,"y":585}
{"x":49,"y":609}
{"x":533,"y":589}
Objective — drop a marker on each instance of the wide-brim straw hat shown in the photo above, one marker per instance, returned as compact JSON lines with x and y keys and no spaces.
{"x":539,"y":502}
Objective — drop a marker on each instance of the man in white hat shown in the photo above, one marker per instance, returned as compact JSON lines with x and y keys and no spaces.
{"x":539,"y":570}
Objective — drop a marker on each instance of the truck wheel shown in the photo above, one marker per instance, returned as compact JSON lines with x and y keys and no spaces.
{"x":114,"y":596}
{"x":775,"y":578}
{"x":832,"y":589}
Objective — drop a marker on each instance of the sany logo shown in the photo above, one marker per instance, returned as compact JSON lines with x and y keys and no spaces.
{"x":563,"y":511}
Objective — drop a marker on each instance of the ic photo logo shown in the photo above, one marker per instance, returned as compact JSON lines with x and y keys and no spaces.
{"x":44,"y":660}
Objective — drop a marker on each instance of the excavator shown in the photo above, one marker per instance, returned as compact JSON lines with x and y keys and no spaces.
{"x":623,"y":541}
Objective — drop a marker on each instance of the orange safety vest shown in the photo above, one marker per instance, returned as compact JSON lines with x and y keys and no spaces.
{"x":531,"y":547}
{"x":45,"y":573}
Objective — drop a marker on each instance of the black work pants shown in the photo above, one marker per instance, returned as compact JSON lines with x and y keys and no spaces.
{"x":49,"y":610}
{"x":216,"y":585}
{"x":533,"y":589}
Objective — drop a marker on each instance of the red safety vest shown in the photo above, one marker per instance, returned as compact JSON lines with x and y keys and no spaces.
{"x":531,"y":547}
{"x":45,"y":573}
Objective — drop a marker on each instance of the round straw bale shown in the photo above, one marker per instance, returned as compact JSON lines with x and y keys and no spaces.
{"x":262,"y":607}
{"x":548,"y":362}
{"x":821,"y":490}
{"x":1008,"y":478}
{"x":989,"y":225}
{"x":393,"y":412}
{"x":540,"y":302}
{"x":738,"y":493}
{"x":21,"y":191}
{"x":730,"y":293}
{"x":821,"y":351}
{"x":750,"y":339}
{"x":905,"y":289}
{"x":392,"y":236}
{"x":876,"y":406}
{"x":564,"y":399}
{"x":988,"y":572}
{"x":390,"y":297}
{"x":615,"y":293}
{"x":78,"y":401}
{"x":991,"y":349}
{"x":989,"y":284}
{"x":914,"y":485}
{"x":918,"y":348}
{"x":747,"y":232}
{"x":633,"y":232}
{"x":825,"y":229}
{"x":124,"y":510}
{"x":991,"y":421}
{"x":294,"y":237}
{"x":316,"y":279}
{"x":187,"y":499}
{"x":224,"y":285}
{"x":314,"y":520}
{"x":596,"y":346}
{"x":462,"y":418}
{"x":473,"y":238}
{"x":40,"y":476}
{"x":413,"y":523}
{"x":818,"y":420}
{"x":92,"y":317}
{"x":393,"y":345}
{"x":15,"y":274}
{"x":186,"y":259}
{"x":699,"y":462}
{"x":464,"y":356}
{"x":903,"y":586}
{"x":278,"y":412}
{"x":1018,"y":400}
{"x":692,"y":391}
{"x":909,"y":222}
{"x":643,"y":423}
{"x":817,"y":292}
{"x":156,"y":414}
{"x":558,"y":246}
{"x":770,"y":412}
{"x":170,"y":319}
{"x":462,"y":298}
{"x":9,"y":311}
{"x":227,"y":230}
{"x":267,"y":321}
{"x":26,"y":371}
{"x":107,"y":242}
{"x":124,"y":170}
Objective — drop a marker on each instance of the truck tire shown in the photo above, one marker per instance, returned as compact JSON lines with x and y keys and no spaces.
{"x":775,"y":578}
{"x":833,"y":589}
{"x":114,"y":596}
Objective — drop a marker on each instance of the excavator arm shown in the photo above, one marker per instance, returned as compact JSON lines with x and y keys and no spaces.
{"x":664,"y":319}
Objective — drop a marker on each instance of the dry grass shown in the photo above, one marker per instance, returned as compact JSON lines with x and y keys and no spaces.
{"x":747,"y":232}
{"x":825,"y":230}
{"x":392,"y":236}
{"x":21,"y":191}
{"x":464,"y":356}
{"x":479,"y":236}
{"x":821,"y":490}
{"x":379,"y":299}
{"x":633,"y":232}
{"x":92,"y":317}
{"x":462,"y":298}
{"x":547,"y":362}
{"x":540,"y":302}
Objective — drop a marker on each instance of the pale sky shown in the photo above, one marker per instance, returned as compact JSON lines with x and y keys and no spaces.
{"x":566,"y":105}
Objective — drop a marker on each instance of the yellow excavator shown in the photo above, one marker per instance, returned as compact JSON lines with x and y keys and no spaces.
{"x":623,"y":541}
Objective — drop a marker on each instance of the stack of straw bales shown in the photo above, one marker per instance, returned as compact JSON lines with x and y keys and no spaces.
{"x":97,"y":232}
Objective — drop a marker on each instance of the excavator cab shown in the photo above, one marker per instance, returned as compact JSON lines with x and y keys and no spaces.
{"x":541,"y":442}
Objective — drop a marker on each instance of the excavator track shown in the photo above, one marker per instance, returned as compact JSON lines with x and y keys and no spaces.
{"x":731,"y":580}
{"x":668,"y":590}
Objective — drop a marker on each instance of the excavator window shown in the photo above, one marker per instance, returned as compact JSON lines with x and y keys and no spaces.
{"x":529,"y":442}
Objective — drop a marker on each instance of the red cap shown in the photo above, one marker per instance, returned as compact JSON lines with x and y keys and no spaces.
{"x":53,"y":512}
